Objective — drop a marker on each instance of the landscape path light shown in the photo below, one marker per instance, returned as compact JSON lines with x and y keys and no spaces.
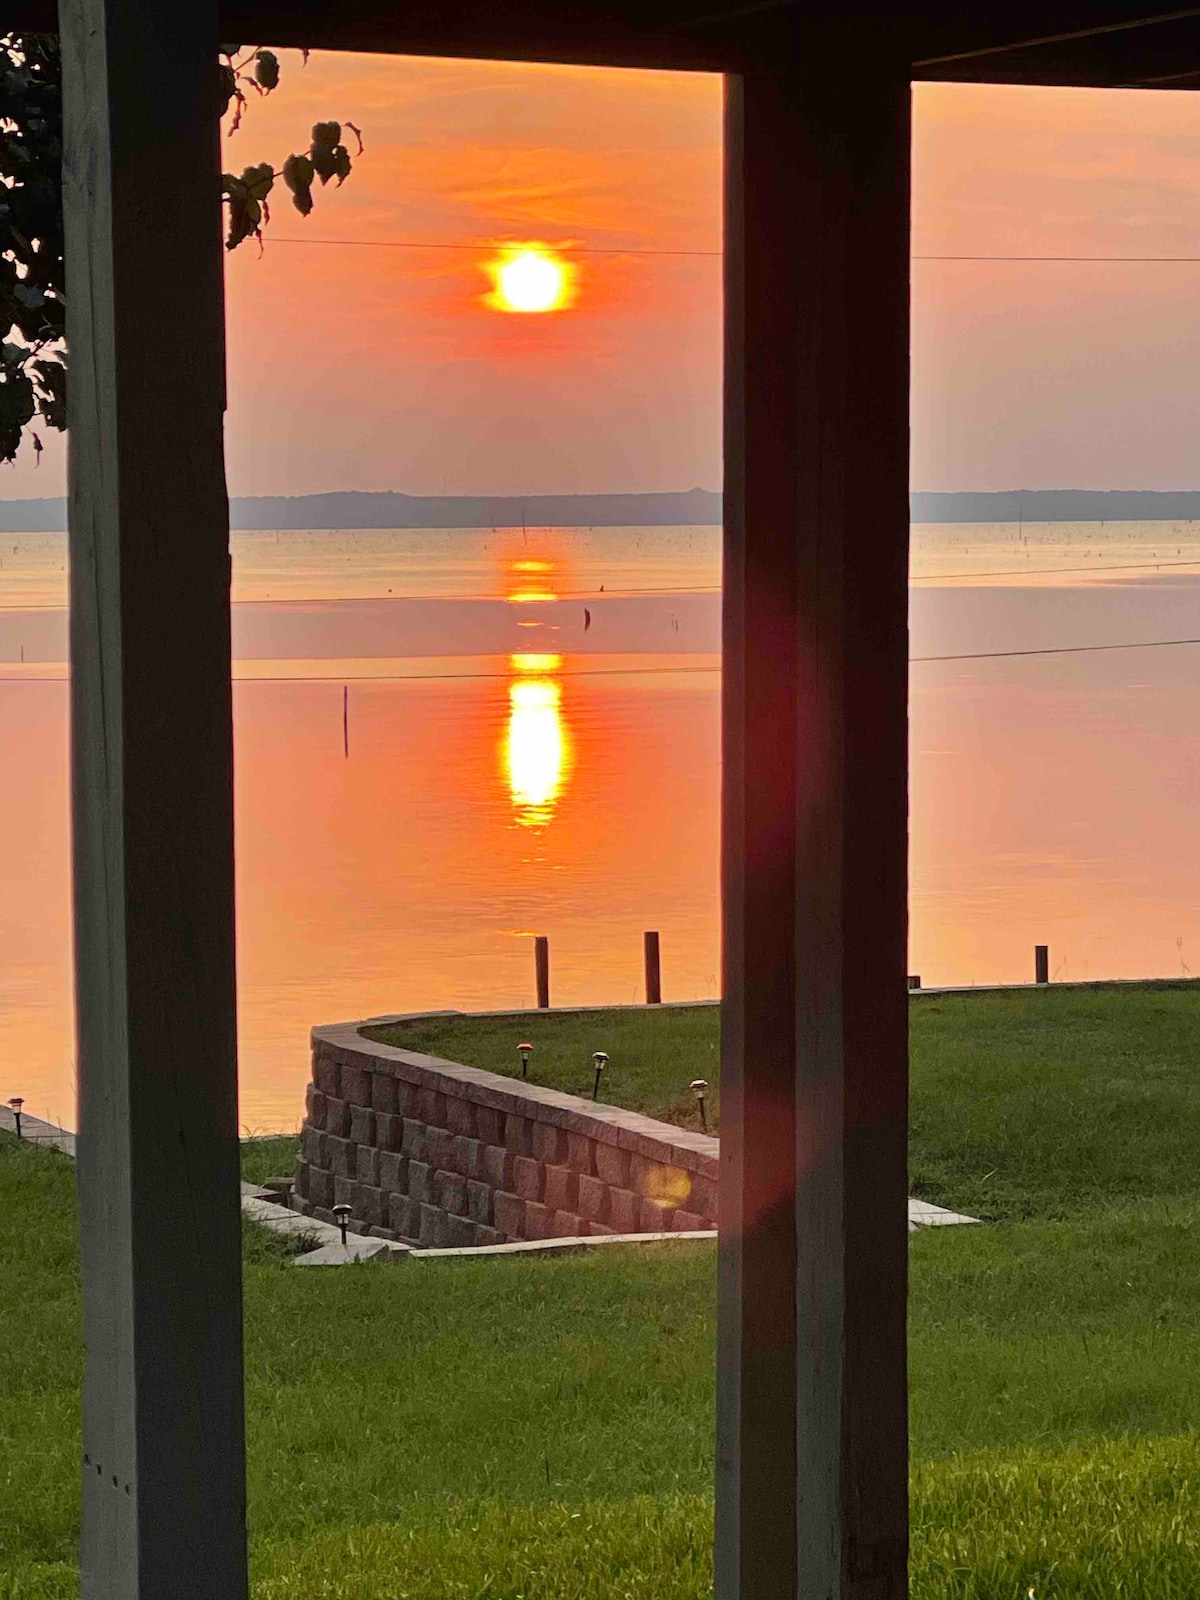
{"x":599,"y":1061}
{"x":341,"y":1215}
{"x":15,"y":1105}
{"x":525,"y":1051}
{"x":699,"y":1087}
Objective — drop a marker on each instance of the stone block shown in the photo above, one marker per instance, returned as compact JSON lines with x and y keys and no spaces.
{"x":323,"y":1215}
{"x":404,"y":1216}
{"x":366,"y":1164}
{"x":612,"y":1164}
{"x":342,"y":1155}
{"x":300,"y":1181}
{"x":337,"y":1117}
{"x":389,"y":1130}
{"x":485,"y":1236}
{"x":420,"y":1181}
{"x":549,"y":1143}
{"x":479,"y":1201}
{"x":581,"y":1152}
{"x":299,"y":1204}
{"x":432,"y":1234}
{"x":653,"y":1217}
{"x":356,"y":1085}
{"x":460,"y":1233}
{"x":538,"y":1220}
{"x":439,"y":1148}
{"x":508,"y":1214}
{"x":592,"y":1198}
{"x":320,"y":1187}
{"x":362,"y":1124}
{"x":460,"y":1116}
{"x":489,"y":1125}
{"x":703,"y":1198}
{"x":312,"y":1146}
{"x":383,"y":1093}
{"x":598,"y":1230}
{"x":413,"y":1142}
{"x":687,"y":1222}
{"x":345,"y":1193}
{"x":467,"y":1157}
{"x":567,"y":1225}
{"x":623,"y":1210}
{"x":378,"y":1232}
{"x":393,"y":1172}
{"x":450,"y":1192}
{"x":562,"y":1189}
{"x":517,"y":1135}
{"x":498,"y":1167}
{"x":431,"y":1107}
{"x":527,"y":1177}
{"x":315,"y":1105}
{"x":372,"y":1205}
{"x":327,"y":1074}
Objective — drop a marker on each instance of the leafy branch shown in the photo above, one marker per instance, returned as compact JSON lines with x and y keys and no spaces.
{"x":33,"y":353}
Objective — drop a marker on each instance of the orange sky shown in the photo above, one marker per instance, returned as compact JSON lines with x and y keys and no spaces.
{"x":375,"y":365}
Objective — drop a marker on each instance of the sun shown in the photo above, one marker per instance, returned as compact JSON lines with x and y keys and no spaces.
{"x":530,"y":278}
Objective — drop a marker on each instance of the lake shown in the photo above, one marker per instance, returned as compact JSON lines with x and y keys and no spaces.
{"x":531,"y":745}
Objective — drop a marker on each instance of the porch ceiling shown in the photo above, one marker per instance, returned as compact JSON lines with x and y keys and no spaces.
{"x":1102,"y":43}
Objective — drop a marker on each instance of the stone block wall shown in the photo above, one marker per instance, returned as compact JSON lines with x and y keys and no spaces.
{"x":445,"y":1156}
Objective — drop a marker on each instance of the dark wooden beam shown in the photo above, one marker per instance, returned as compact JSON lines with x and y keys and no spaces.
{"x":812,"y":1418}
{"x":1101,"y":43}
{"x":163,"y":1465}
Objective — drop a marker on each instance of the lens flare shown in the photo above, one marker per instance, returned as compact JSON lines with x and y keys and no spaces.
{"x":530,"y":278}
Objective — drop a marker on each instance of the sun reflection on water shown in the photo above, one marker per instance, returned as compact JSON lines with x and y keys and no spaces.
{"x":536,"y":747}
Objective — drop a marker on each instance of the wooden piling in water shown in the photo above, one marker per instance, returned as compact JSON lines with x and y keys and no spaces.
{"x":1041,"y":963}
{"x":541,"y":958}
{"x":653,"y":969}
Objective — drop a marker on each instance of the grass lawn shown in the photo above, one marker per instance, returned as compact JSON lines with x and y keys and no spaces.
{"x":542,"y":1429}
{"x":1026,"y":1104}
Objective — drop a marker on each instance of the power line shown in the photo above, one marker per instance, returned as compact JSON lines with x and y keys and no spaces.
{"x":1058,"y":650}
{"x":443,"y":244}
{"x":1038,"y":572}
{"x":641,"y":672}
{"x":1134,"y":260}
{"x":714,"y":255}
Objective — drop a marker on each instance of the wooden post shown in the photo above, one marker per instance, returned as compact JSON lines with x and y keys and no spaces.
{"x":152,"y":787}
{"x":1041,"y":963}
{"x":811,"y":1482}
{"x":650,"y":952}
{"x":541,"y":961}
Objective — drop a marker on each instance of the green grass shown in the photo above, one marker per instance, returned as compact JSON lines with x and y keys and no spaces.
{"x":1026,"y":1104}
{"x":272,"y":1157}
{"x":653,"y":1055}
{"x":542,"y":1429}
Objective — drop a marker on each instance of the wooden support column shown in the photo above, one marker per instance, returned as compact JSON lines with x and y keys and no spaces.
{"x":163,"y":1466}
{"x":812,"y":1406}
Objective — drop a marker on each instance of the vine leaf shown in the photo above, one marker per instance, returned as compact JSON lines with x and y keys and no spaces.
{"x":298,"y":175}
{"x":266,"y":69}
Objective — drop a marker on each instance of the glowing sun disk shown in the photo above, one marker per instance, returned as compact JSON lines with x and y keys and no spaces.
{"x":530,"y":279}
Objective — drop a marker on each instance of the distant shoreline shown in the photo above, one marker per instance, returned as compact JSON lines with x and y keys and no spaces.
{"x":688,"y":508}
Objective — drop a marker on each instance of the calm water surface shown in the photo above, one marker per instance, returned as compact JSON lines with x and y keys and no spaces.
{"x":534,"y":748}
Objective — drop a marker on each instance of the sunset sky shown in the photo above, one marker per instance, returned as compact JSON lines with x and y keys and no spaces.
{"x":379,"y":364}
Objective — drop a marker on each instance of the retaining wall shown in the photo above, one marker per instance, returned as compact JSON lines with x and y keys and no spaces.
{"x":441,"y":1155}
